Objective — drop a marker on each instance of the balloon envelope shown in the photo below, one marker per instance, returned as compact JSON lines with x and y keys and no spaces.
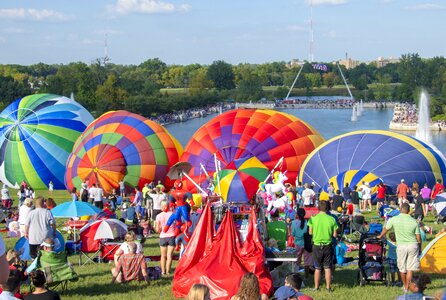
{"x":120,"y":145}
{"x":372,"y":156}
{"x":267,"y":135}
{"x":37,"y":134}
{"x":240,"y":180}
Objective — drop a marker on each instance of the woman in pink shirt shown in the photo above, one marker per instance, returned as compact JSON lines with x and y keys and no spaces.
{"x":167,"y":239}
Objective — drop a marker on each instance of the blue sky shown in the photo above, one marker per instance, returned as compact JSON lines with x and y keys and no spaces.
{"x":202,"y":31}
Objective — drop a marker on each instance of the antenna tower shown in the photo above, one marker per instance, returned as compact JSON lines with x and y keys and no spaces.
{"x":311,"y":55}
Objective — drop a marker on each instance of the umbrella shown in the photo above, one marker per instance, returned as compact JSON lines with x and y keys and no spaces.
{"x":177,"y":170}
{"x":440,"y":204}
{"x":22,"y":246}
{"x":74,"y":209}
{"x":105,"y":229}
{"x":240,"y":179}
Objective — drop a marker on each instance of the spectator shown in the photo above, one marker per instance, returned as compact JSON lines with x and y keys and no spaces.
{"x":401,"y":191}
{"x":6,"y":197}
{"x":131,"y":266}
{"x":355,"y":200}
{"x":11,"y":286}
{"x":437,"y":189}
{"x":338,"y":201}
{"x":74,"y":196}
{"x":417,"y":286}
{"x":23,"y":214}
{"x":97,"y":194}
{"x":392,"y":258}
{"x":39,"y":225}
{"x":249,"y":288}
{"x":291,"y":289}
{"x":330,"y":191}
{"x":277,"y":230}
{"x":340,"y":251}
{"x":299,"y":229}
{"x":199,"y":292}
{"x":346,"y":192}
{"x":4,"y":270}
{"x":137,"y":202}
{"x":380,"y":196}
{"x":158,"y":196}
{"x":122,"y":188}
{"x":130,"y":237}
{"x":420,"y":209}
{"x":408,"y":240}
{"x":40,"y":292}
{"x":308,"y":195}
{"x":50,"y":188}
{"x":167,"y":239}
{"x":50,"y":203}
{"x":323,"y":228}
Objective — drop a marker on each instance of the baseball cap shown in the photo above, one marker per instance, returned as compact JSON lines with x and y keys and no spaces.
{"x":402,"y":180}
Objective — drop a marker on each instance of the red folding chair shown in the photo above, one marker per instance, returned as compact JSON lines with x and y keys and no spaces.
{"x":90,"y":250}
{"x":108,"y":251}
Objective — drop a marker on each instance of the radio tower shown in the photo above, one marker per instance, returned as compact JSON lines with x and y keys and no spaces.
{"x":311,"y":54}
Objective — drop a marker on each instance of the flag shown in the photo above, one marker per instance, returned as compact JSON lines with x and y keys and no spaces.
{"x":321,"y":67}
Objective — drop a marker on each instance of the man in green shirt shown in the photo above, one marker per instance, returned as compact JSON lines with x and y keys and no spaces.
{"x":323,"y":228}
{"x":408,"y":243}
{"x":277,"y":230}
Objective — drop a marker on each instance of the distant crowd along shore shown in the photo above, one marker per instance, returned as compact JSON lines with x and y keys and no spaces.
{"x":405,"y":115}
{"x":184,"y":115}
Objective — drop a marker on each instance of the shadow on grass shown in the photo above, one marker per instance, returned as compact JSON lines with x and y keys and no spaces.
{"x":107,"y":288}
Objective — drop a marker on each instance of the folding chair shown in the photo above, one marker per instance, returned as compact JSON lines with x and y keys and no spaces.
{"x":58,"y":271}
{"x":108,"y":251}
{"x":90,"y":250}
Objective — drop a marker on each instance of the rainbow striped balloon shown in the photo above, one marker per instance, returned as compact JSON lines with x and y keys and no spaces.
{"x":37,"y":133}
{"x":120,"y":145}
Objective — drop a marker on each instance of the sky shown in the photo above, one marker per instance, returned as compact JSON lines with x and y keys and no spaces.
{"x":202,"y":31}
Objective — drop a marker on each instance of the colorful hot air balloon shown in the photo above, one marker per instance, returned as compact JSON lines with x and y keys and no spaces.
{"x":240,"y":180}
{"x":372,"y":156}
{"x":243,"y":133}
{"x":121,"y":145}
{"x":37,"y":133}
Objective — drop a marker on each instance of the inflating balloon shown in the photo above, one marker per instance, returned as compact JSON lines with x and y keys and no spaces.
{"x":372,"y":156}
{"x":37,"y":134}
{"x":120,"y":145}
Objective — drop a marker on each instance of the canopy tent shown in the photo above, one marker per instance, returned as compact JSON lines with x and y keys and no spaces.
{"x":433,"y":257}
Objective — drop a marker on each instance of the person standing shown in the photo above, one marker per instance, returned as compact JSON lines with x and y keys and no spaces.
{"x":39,"y":225}
{"x":346,"y":192}
{"x":330,"y":191}
{"x":408,"y":241}
{"x":98,"y":196}
{"x":299,"y":229}
{"x":137,"y":202}
{"x":355,"y":200}
{"x":380,"y":196}
{"x":338,"y":202}
{"x":24,"y":210}
{"x":6,"y":197}
{"x":167,"y":239}
{"x":420,"y":209}
{"x":74,"y":196}
{"x":50,"y":188}
{"x":426,"y":195}
{"x":122,"y":188}
{"x":323,"y":228}
{"x":437,"y":189}
{"x":401,"y":192}
{"x":158,"y":196}
{"x":308,"y":195}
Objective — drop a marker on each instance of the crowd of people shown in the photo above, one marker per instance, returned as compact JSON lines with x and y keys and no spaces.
{"x":407,"y":113}
{"x":316,"y":241}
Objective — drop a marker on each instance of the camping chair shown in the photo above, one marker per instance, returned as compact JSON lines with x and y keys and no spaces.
{"x":58,"y":271}
{"x":108,"y":251}
{"x":90,"y":250}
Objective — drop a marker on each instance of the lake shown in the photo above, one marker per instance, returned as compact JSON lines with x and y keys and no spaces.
{"x":329,"y":123}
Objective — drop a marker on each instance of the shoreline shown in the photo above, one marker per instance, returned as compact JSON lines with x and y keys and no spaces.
{"x":413,"y":127}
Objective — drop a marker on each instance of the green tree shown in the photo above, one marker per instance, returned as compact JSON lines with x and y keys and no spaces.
{"x":249,"y":88}
{"x":222,"y":75}
{"x":329,"y":79}
{"x":110,"y":95}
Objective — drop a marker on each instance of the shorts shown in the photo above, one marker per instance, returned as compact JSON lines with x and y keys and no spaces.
{"x":407,"y":257}
{"x":308,"y":258}
{"x":155,"y":213}
{"x":323,"y":256}
{"x":33,"y":250}
{"x":167,"y":241}
{"x":393,"y":265}
{"x":402,"y":200}
{"x":380,"y":200}
{"x":426,"y":200}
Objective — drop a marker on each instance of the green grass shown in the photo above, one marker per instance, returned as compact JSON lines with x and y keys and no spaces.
{"x":94,"y":279}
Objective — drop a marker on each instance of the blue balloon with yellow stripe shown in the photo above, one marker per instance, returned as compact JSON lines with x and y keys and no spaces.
{"x":372,"y":156}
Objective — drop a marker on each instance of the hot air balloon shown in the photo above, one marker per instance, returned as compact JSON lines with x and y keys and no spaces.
{"x":120,"y":145}
{"x":37,"y":133}
{"x":267,"y":135}
{"x":240,"y":180}
{"x":372,"y":156}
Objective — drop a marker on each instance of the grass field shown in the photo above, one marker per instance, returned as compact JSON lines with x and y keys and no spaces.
{"x":94,"y":279}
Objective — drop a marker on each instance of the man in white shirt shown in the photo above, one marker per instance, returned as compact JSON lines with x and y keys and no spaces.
{"x":366,"y":196}
{"x":157,"y":195}
{"x":97,"y":195}
{"x":308,"y":196}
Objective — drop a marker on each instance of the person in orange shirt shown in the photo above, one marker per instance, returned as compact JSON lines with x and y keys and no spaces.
{"x":401,"y":192}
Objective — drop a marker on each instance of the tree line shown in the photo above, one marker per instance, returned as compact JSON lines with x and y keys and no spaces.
{"x":153,"y":87}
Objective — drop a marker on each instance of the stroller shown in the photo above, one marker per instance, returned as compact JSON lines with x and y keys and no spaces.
{"x":371,"y":260}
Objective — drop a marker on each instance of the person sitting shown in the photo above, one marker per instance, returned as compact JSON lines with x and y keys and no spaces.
{"x":417,"y":286}
{"x":11,"y":287}
{"x":130,"y":237}
{"x":291,"y":289}
{"x":130,"y":266}
{"x":40,"y":292}
{"x":249,"y":288}
{"x":199,"y":292}
{"x":341,"y":249}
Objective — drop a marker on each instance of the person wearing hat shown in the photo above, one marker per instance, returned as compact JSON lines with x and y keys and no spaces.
{"x":401,"y":192}
{"x":24,"y":210}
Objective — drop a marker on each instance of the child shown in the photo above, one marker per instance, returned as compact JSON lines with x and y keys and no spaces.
{"x":341,"y":249}
{"x":391,"y":257}
{"x":291,"y":289}
{"x":124,"y":211}
{"x":146,"y":226}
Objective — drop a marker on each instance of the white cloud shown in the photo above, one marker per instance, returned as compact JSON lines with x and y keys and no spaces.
{"x":326,"y":2}
{"x":13,"y":30}
{"x":146,"y":7}
{"x":33,"y":14}
{"x":296,"y":28}
{"x":426,"y":6}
